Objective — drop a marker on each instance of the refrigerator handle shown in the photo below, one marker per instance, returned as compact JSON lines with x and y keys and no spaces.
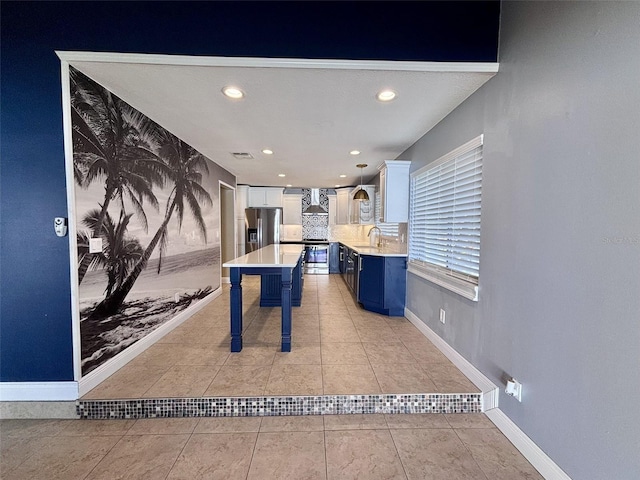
{"x":260,"y":245}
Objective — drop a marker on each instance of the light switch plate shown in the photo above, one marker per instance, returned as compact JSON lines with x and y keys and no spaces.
{"x":95,"y":245}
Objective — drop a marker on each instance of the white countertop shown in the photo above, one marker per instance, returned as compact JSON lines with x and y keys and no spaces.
{"x":389,"y":250}
{"x":269,"y":256}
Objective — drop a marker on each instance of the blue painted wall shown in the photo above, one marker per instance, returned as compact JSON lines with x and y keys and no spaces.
{"x":35,"y":305}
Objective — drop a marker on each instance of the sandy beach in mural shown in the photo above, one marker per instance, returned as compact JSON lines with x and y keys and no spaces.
{"x":184,"y":279}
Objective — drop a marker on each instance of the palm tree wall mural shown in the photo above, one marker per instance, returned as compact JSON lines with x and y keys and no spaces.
{"x":153,"y":200}
{"x":112,"y":144}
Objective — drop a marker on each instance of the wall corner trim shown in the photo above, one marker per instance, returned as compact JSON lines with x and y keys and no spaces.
{"x":38,"y":391}
{"x":540,"y":460}
{"x":488,"y":388}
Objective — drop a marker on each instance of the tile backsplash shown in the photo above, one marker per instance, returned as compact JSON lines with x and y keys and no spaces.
{"x":315,"y":227}
{"x":291,"y":232}
{"x":348,"y":232}
{"x":334,"y":233}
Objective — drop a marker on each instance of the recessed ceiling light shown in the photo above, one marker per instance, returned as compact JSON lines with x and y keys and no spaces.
{"x":233,"y":92}
{"x":355,"y":152}
{"x":288,"y":184}
{"x":281,"y":175}
{"x":337,"y":186}
{"x":343,"y":176}
{"x":266,"y":151}
{"x":386,"y":95}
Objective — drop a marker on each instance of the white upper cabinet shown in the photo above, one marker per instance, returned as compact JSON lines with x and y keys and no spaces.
{"x":342,"y":205}
{"x":292,"y":209}
{"x":394,"y":191}
{"x":265,"y":197}
{"x":363,"y":211}
{"x":242,"y":191}
{"x":333,"y":209}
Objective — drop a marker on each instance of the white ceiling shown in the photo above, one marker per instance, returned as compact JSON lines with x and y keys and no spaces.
{"x":311,"y":113}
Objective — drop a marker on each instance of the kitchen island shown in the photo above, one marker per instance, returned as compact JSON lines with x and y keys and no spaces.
{"x":268,"y":262}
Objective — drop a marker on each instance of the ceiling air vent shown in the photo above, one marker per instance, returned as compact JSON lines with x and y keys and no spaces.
{"x":242,"y":155}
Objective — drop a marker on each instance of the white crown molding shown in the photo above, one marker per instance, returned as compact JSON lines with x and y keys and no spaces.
{"x":38,"y":391}
{"x":255,"y":62}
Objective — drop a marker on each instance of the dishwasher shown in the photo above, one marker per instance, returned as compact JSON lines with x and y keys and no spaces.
{"x":352,"y":274}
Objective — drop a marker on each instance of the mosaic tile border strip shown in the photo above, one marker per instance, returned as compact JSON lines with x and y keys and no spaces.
{"x":279,"y":406}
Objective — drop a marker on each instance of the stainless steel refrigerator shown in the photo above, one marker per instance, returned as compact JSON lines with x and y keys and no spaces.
{"x":262,"y":227}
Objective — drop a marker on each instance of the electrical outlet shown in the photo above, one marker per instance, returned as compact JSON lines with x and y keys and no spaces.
{"x":514,"y":389}
{"x":95,"y":245}
{"x":442,"y":316}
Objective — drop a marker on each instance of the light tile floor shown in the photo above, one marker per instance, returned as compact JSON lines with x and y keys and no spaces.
{"x":433,"y":446}
{"x":337,"y":348}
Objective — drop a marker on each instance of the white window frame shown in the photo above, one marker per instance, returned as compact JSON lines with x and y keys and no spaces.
{"x":462,"y":283}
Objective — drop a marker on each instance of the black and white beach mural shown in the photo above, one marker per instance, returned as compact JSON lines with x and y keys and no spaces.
{"x":153,"y":201}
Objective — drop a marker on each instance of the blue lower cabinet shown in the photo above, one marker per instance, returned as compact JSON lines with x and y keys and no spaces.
{"x":342,"y":258}
{"x":334,"y":258}
{"x":383,"y":284}
{"x":271,"y":288}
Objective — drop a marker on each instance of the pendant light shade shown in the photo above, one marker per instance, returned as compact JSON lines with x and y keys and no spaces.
{"x":362,"y":193}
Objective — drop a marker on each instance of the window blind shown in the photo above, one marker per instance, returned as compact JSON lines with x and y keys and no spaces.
{"x":387,"y":229}
{"x":444,"y":214}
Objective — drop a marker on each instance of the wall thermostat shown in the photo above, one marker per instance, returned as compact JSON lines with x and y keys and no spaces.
{"x":60,"y":226}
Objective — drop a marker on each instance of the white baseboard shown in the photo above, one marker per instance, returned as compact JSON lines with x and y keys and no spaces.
{"x":487,"y":387}
{"x":104,"y":371}
{"x":540,"y":460}
{"x":536,"y":457}
{"x":38,"y":391}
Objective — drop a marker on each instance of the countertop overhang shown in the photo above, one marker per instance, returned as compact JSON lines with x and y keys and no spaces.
{"x":270,"y":256}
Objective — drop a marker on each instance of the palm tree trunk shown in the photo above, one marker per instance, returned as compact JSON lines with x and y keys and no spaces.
{"x":86,"y":260}
{"x":113,"y":302}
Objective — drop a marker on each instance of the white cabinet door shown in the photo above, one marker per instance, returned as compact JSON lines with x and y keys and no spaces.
{"x":256,"y":197}
{"x":273,"y":197}
{"x":265,"y":197}
{"x":240,"y":236}
{"x":394,"y":191}
{"x":241,"y":200}
{"x":333,"y":204}
{"x":292,"y":209}
{"x":342,"y":205}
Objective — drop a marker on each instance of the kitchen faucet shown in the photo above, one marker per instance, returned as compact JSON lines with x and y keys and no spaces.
{"x":379,"y":243}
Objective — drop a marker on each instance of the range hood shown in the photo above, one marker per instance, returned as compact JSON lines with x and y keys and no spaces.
{"x":315,"y":207}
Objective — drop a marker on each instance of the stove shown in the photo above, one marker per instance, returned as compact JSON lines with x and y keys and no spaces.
{"x":316,"y":257}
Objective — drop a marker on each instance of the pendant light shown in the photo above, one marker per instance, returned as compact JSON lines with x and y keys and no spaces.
{"x":362,"y":193}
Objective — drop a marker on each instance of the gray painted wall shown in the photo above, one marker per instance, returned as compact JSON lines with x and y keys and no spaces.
{"x":559,"y":286}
